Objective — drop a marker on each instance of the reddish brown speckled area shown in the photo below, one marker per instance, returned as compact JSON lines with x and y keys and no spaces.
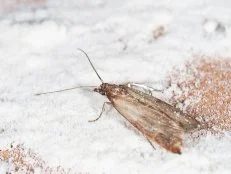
{"x":205,"y":87}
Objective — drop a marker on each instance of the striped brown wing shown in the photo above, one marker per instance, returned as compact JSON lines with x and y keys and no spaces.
{"x":187,"y":122}
{"x":153,"y":123}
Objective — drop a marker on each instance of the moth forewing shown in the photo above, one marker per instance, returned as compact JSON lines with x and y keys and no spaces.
{"x":154,"y":125}
{"x":187,"y":122}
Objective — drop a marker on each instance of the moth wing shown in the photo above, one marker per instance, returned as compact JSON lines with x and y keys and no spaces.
{"x":187,"y":122}
{"x":154,"y":124}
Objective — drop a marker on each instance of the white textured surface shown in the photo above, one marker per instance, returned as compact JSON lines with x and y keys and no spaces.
{"x":38,"y":53}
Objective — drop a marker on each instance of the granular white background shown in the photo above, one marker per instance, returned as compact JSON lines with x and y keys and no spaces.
{"x":38,"y":48}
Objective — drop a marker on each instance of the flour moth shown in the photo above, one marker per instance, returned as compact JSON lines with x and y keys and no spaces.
{"x":158,"y":121}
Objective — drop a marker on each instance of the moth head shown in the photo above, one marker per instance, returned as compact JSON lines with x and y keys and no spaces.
{"x":102,"y":89}
{"x":111,"y":90}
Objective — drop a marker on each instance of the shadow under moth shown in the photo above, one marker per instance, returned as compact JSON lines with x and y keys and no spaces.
{"x":158,"y":121}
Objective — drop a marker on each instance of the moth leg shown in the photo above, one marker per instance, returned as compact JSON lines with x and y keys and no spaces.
{"x":101,"y":113}
{"x":140,"y":129}
{"x":151,"y":144}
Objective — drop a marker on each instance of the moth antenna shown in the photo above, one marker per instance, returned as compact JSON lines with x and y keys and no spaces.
{"x":91,"y":64}
{"x":67,"y":89}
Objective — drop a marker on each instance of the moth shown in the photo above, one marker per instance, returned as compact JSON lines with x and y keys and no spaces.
{"x":158,"y":121}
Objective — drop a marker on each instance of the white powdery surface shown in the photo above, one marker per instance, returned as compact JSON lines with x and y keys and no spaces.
{"x":38,"y":49}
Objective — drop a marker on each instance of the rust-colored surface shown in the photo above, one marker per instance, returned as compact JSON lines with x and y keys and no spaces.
{"x":22,"y":160}
{"x":204,"y":89}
